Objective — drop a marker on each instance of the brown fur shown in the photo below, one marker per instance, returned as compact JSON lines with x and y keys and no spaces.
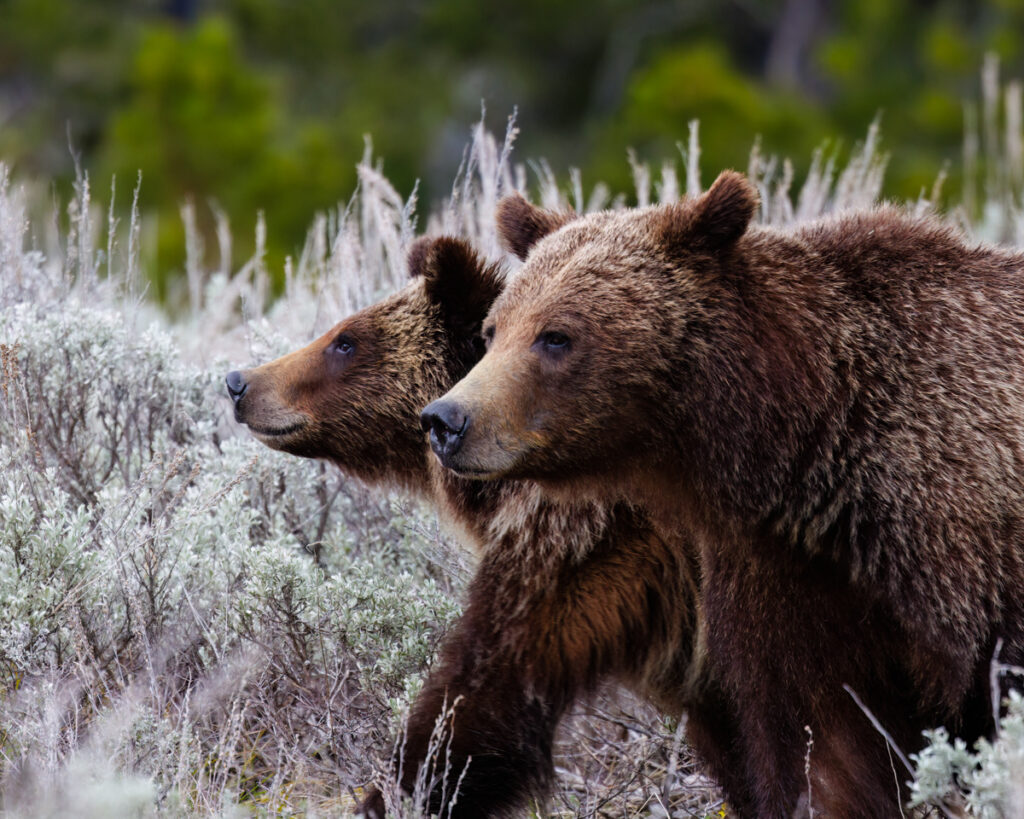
{"x":361,"y":409}
{"x":566,"y":593}
{"x":522,"y":225}
{"x":837,"y":411}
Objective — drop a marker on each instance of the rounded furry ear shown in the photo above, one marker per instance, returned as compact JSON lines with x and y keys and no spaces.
{"x":714,"y":222}
{"x":722,"y":214}
{"x":416,"y":256}
{"x":521,"y":225}
{"x":456,"y":279}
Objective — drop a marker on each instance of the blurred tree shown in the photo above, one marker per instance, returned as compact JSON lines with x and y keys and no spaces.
{"x":700,"y":83}
{"x":263,"y":104}
{"x":60,"y":67}
{"x":201,"y":124}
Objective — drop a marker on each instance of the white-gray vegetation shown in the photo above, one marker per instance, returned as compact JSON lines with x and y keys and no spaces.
{"x":990,"y":776}
{"x":192,"y":624}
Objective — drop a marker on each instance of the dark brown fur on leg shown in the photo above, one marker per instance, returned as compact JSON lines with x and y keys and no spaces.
{"x":712,"y":730}
{"x":540,"y":631}
{"x":792,"y":681}
{"x":496,"y":745}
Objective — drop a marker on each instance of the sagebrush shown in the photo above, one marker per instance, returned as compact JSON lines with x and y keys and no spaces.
{"x":195,"y":625}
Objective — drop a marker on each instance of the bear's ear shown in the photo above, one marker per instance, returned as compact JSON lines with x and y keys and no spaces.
{"x":457,"y":280}
{"x":717,"y":219}
{"x":416,"y":257}
{"x":722,"y":214}
{"x":521,"y":225}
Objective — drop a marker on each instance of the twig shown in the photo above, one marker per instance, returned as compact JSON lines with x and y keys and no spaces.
{"x":888,"y":738}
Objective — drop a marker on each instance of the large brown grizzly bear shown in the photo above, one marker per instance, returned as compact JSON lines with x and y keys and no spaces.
{"x":835,"y":412}
{"x":566,"y":593}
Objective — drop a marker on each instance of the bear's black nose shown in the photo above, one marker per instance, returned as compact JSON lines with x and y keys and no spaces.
{"x":446,"y":423}
{"x":236,"y":385}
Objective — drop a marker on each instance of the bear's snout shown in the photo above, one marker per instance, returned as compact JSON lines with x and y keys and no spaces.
{"x":447,"y":424}
{"x":236,"y":385}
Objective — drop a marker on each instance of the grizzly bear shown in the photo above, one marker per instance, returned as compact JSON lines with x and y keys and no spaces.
{"x":566,"y":594}
{"x":834,"y":412}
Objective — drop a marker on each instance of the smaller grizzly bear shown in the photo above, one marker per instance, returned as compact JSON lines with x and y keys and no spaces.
{"x":836,"y":412}
{"x":567,"y":594}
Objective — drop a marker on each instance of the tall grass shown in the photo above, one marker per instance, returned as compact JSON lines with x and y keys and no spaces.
{"x":191,"y":624}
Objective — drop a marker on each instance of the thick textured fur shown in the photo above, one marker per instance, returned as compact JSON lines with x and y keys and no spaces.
{"x":566,"y":593}
{"x":353,"y":395}
{"x":837,"y":413}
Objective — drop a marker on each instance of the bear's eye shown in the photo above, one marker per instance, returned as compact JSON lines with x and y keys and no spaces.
{"x":344,"y":345}
{"x":553,"y":340}
{"x":488,"y":334}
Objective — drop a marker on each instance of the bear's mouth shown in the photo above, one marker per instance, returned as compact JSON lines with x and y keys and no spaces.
{"x":472,"y":473}
{"x":496,"y":461}
{"x":275,"y":432}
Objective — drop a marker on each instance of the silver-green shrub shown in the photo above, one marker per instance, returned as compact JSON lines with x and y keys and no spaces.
{"x":189,"y":622}
{"x":180,"y":602}
{"x":988,"y":780}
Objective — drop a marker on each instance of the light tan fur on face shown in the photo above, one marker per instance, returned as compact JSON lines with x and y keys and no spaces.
{"x":506,"y":431}
{"x":514,"y":394}
{"x":274,"y":412}
{"x":360,"y":411}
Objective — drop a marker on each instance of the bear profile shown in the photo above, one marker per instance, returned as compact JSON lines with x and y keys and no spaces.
{"x":835,"y":411}
{"x":566,"y":594}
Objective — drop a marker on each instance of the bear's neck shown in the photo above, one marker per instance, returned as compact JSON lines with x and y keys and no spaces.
{"x":520,"y":517}
{"x":762,"y":398}
{"x":466,"y":505}
{"x":402,"y":468}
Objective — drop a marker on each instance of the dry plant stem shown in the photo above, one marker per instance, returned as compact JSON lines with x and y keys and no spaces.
{"x":192,"y":623}
{"x":890,"y":741}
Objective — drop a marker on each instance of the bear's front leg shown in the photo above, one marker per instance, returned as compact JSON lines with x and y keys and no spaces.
{"x":479,"y":737}
{"x":539,"y":630}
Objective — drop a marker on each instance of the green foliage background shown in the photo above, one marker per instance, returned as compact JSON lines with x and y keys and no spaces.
{"x":250,"y":105}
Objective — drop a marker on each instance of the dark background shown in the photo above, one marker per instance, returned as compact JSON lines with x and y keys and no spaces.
{"x":256,"y":105}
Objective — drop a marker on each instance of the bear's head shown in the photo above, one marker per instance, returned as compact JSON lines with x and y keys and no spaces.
{"x":353,"y":396}
{"x":592,"y":337}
